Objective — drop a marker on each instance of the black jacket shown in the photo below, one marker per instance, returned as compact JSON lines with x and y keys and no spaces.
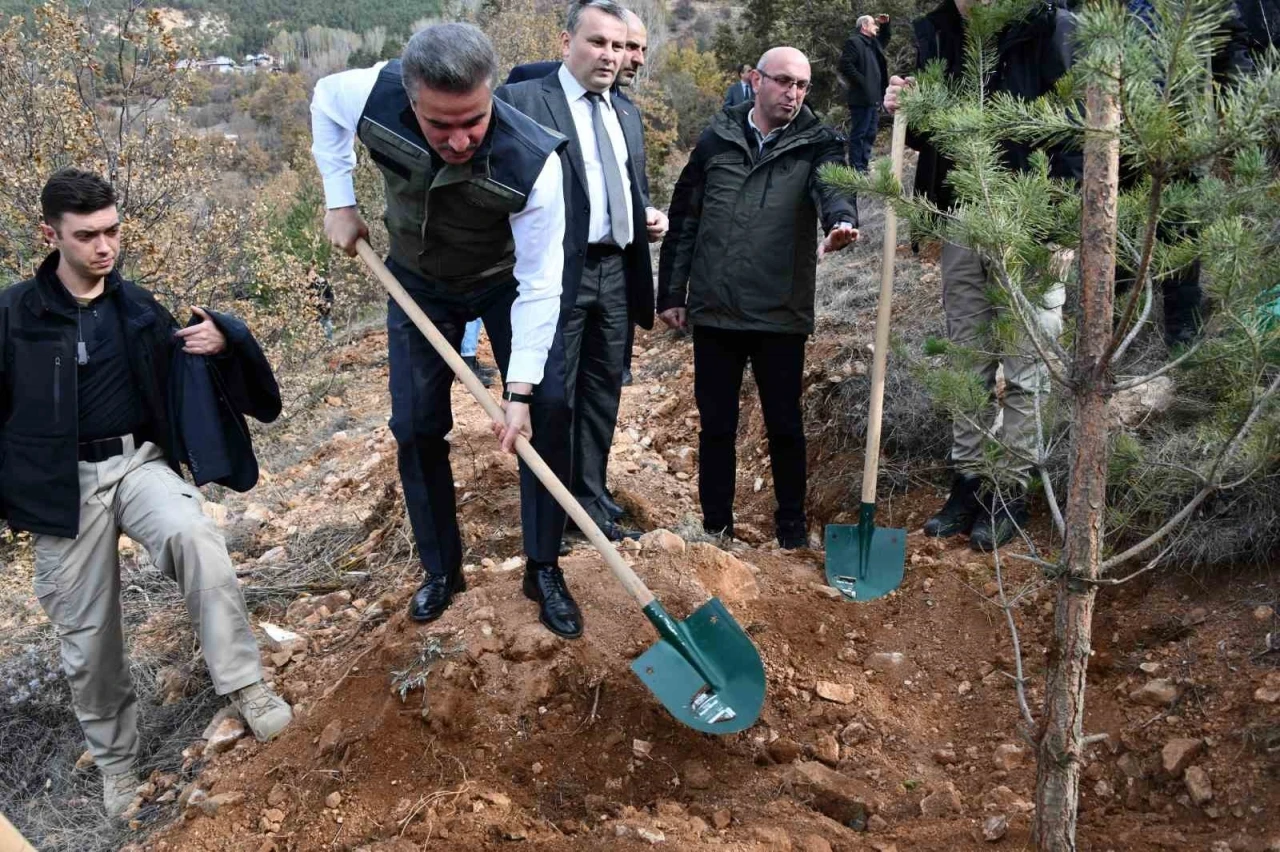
{"x":1032,"y":55}
{"x":544,"y":101}
{"x":39,"y":477}
{"x":864,"y":68}
{"x":208,"y":401}
{"x":741,"y":253}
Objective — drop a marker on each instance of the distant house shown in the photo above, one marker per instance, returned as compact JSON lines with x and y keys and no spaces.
{"x":259,"y":60}
{"x":219,"y":64}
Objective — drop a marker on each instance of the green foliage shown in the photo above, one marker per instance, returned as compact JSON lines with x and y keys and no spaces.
{"x":1198,"y":188}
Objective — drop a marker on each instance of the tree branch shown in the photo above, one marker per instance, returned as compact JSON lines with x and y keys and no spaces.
{"x":1144,"y":266}
{"x":1169,"y":367}
{"x":1019,"y":681}
{"x":1137,"y":326}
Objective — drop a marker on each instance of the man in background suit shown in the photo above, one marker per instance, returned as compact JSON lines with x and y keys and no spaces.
{"x":741,"y":91}
{"x":608,"y":281}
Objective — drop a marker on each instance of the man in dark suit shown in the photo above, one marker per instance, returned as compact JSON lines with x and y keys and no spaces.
{"x":741,"y":91}
{"x":865,"y":72}
{"x":608,"y":279}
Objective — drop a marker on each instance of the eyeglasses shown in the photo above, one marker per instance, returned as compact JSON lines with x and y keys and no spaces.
{"x":786,"y":82}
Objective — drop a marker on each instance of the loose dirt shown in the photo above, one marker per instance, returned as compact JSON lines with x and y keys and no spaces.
{"x":483,"y":731}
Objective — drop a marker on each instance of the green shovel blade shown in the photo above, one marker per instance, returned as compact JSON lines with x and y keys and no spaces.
{"x":865,"y":562}
{"x":705,"y":670}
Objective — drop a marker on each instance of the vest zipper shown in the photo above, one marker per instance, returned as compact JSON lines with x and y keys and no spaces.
{"x":57,"y":388}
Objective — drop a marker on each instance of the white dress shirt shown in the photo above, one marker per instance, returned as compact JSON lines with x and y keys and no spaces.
{"x":599,"y":229}
{"x":538,"y":229}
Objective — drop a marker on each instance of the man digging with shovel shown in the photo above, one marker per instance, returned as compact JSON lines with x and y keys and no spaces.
{"x":475,"y":212}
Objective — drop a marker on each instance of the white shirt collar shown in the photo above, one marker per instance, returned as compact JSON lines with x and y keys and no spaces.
{"x":764,"y":137}
{"x":573,"y":90}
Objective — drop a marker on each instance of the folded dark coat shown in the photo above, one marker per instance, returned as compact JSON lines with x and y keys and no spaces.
{"x":208,"y":401}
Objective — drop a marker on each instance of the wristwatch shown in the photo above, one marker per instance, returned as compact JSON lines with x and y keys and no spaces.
{"x":512,"y":396}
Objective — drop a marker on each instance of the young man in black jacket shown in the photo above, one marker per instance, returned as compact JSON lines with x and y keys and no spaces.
{"x":85,"y":454}
{"x":746,"y":282}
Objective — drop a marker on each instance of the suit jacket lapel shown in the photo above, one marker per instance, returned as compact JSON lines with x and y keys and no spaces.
{"x":558,"y":105}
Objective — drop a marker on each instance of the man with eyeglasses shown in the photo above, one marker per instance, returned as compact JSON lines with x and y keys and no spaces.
{"x":745,"y":283}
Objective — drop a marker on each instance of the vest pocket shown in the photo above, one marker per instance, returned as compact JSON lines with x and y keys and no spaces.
{"x":390,"y":165}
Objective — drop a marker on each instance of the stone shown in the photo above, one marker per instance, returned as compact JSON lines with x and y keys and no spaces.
{"x":1263,"y":614}
{"x":662,"y":541}
{"x":279,"y":639}
{"x":333,"y":800}
{"x":1008,"y":757}
{"x":696,"y":775}
{"x":531,"y":642}
{"x":826,"y":749}
{"x":1003,"y":799}
{"x":278,"y":795}
{"x":720,"y":819}
{"x":1269,"y":692}
{"x":812,"y":843}
{"x":722,"y":574}
{"x":651,"y":836}
{"x":224,"y":736}
{"x":839,"y":693}
{"x":945,"y":801}
{"x":784,"y":750}
{"x":1198,"y":785}
{"x":838,"y":796}
{"x":256,"y":513}
{"x":210,"y":805}
{"x":877,"y":823}
{"x":1156,"y":693}
{"x":1132,"y":407}
{"x":1178,"y":754}
{"x":682,"y":460}
{"x":829,"y":592}
{"x":994,"y":828}
{"x":945,"y":757}
{"x":886,"y":662}
{"x":84,"y":761}
{"x":770,"y":839}
{"x":215,"y":512}
{"x":330,"y":738}
{"x":1131,"y":765}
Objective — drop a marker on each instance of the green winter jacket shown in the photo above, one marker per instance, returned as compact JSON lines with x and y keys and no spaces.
{"x":741,"y":252}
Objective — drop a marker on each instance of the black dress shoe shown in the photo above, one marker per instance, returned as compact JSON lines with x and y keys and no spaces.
{"x":558,"y":612}
{"x":611,"y":529}
{"x":627,"y":378}
{"x":611,"y":506}
{"x":434,"y":596}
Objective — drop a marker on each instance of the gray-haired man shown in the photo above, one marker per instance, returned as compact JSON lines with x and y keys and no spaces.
{"x":475,"y":212}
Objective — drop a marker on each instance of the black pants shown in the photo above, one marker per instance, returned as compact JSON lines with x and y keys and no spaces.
{"x":421,"y":417}
{"x":864,"y":122}
{"x":595,"y":336}
{"x":777,"y":360}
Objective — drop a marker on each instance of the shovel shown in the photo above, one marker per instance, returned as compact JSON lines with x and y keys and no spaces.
{"x":705,"y":670}
{"x":865,"y":562}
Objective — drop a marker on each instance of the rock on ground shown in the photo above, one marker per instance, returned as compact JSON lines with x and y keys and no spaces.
{"x":840,"y":797}
{"x":1198,"y":785}
{"x":942,"y":803}
{"x":531,"y":642}
{"x":1157,"y":693}
{"x":840,"y":693}
{"x":722,"y":574}
{"x":1178,"y":754}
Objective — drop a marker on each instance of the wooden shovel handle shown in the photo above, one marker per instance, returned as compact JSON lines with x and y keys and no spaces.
{"x":871,"y":463}
{"x":11,"y":840}
{"x":634,"y":585}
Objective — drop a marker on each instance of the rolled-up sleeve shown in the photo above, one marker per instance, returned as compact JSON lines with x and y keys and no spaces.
{"x":538,"y":231}
{"x":336,"y":107}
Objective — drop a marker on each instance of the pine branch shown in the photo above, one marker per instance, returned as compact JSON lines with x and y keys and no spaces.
{"x":1144,"y":267}
{"x":1167,"y":368}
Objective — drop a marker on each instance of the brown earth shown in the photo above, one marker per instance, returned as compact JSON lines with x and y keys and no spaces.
{"x":520,"y":738}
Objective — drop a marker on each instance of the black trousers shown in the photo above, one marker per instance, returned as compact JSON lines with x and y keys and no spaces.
{"x":777,"y":360}
{"x":595,"y":337}
{"x":421,"y":417}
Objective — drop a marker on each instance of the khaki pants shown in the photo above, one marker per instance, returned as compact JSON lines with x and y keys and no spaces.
{"x":970,"y":312}
{"x":78,"y":583}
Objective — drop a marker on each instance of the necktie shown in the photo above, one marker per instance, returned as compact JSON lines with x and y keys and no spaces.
{"x":617,"y":202}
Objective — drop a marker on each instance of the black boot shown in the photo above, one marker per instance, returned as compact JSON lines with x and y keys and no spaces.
{"x":544,"y":584}
{"x":996,"y":526}
{"x":792,"y":535}
{"x":434,"y":596}
{"x":958,"y":514}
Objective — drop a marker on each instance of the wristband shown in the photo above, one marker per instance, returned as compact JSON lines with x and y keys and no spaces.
{"x":512,"y":396}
